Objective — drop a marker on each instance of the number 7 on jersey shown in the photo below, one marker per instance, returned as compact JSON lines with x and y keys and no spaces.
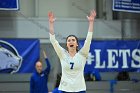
{"x":72,"y":64}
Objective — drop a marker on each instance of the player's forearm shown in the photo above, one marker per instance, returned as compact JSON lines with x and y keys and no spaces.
{"x":91,"y":26}
{"x":85,"y":49}
{"x":51,"y":25}
{"x":88,"y":40}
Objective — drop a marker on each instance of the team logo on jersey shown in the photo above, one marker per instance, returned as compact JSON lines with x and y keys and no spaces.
{"x":10,"y":60}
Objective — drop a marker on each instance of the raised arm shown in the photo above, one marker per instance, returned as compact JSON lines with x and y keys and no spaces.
{"x":91,"y":18}
{"x":51,"y":22}
{"x":47,"y":70}
{"x":85,"y":49}
{"x":57,"y":47}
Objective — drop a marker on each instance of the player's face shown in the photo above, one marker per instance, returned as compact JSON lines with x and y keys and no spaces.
{"x":71,"y":43}
{"x":39,"y":67}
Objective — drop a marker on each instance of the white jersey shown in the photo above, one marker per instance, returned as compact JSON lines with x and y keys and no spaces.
{"x":72,"y":79}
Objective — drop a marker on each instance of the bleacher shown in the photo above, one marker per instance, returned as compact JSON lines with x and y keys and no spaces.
{"x":20,"y":83}
{"x":16,"y":83}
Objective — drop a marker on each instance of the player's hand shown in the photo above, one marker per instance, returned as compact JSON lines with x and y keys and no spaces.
{"x":51,"y":17}
{"x":92,"y":16}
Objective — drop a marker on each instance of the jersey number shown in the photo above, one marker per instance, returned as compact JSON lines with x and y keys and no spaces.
{"x":72,"y":64}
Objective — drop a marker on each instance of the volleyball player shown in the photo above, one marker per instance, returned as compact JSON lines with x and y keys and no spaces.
{"x":72,"y":60}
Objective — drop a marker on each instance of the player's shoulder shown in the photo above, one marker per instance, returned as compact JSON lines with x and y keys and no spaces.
{"x":81,"y":55}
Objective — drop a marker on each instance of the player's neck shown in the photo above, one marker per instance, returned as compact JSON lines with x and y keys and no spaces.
{"x":72,"y":52}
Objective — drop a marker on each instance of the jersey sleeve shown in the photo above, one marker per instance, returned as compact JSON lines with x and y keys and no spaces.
{"x":59,"y":50}
{"x":85,"y":49}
